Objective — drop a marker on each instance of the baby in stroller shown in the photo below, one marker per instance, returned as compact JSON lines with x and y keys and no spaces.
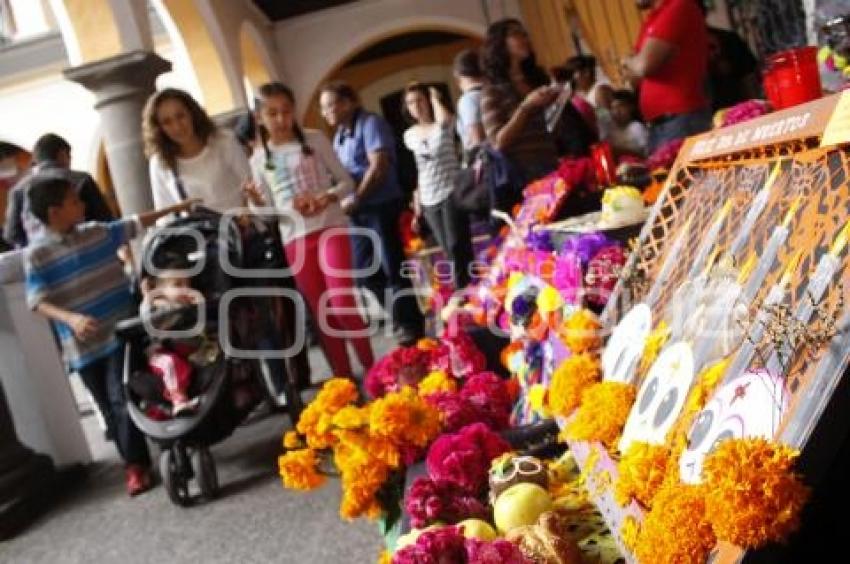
{"x":172,"y":362}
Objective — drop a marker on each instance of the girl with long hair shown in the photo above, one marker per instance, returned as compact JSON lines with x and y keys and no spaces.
{"x":431,"y":140}
{"x":189,"y":156}
{"x":296,"y":171}
{"x":514,"y":102}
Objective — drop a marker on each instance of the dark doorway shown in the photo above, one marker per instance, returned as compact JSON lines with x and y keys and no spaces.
{"x":391,"y":108}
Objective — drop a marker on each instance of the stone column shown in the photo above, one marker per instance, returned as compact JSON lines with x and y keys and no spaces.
{"x":122,"y":84}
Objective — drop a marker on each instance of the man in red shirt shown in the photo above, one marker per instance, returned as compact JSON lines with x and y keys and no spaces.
{"x":671,"y":64}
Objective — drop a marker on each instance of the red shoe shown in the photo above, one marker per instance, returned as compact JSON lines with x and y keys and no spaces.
{"x":138,"y":479}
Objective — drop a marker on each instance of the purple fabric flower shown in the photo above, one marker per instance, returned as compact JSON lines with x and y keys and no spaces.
{"x":495,"y":552}
{"x":585,"y":246}
{"x":568,"y":277}
{"x":539,"y":240}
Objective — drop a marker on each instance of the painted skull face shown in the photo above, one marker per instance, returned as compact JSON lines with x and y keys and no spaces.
{"x":625,"y":346}
{"x":661,"y":396}
{"x":746,"y":407}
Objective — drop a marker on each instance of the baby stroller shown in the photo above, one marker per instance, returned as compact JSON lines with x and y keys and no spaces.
{"x":227,"y":385}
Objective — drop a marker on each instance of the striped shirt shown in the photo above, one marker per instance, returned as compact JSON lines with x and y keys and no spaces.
{"x":533,"y":149}
{"x":80,"y":272}
{"x":436,"y":161}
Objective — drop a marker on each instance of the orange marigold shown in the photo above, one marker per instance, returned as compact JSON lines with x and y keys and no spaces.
{"x":437,"y":381}
{"x":336,"y":393}
{"x":291,"y":440}
{"x":368,"y":446}
{"x":360,"y":483}
{"x":602,"y":414}
{"x":385,"y":557}
{"x":752,"y":494}
{"x":427,"y":344}
{"x":641,"y":472}
{"x":575,"y":375}
{"x":675,"y":531}
{"x":580,"y":332}
{"x":298,"y":470}
{"x":351,"y":417}
{"x":316,"y":421}
{"x":404,"y":418}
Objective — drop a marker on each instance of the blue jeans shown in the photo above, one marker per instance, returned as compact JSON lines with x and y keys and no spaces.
{"x":678,"y":127}
{"x":104,"y":380}
{"x":388,"y":281}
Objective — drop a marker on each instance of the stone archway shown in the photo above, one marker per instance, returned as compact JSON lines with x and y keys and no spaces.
{"x":362,"y":75}
{"x":257,"y":64}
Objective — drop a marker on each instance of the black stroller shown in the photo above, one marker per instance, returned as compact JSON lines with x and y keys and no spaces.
{"x":228,"y":384}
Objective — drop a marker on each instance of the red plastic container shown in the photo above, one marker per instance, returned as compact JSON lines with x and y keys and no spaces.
{"x":793,"y":78}
{"x":604,"y":164}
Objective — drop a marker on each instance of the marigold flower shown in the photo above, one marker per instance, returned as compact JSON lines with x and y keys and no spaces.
{"x":752,"y":494}
{"x":291,"y":440}
{"x":580,"y":332}
{"x":602,"y":414}
{"x":641,"y":472}
{"x":676,"y":529}
{"x":298,"y":470}
{"x":437,"y":381}
{"x":570,"y":380}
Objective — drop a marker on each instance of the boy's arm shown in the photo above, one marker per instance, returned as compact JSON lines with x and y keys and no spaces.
{"x":147,"y":219}
{"x":83,"y":326}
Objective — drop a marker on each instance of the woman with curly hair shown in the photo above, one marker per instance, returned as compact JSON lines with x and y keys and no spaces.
{"x":513,"y":104}
{"x":189,"y":156}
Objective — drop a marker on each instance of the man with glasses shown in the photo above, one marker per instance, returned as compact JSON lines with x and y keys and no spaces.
{"x":365,"y":145}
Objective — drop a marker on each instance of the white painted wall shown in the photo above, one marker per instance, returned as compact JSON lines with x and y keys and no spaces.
{"x":313,"y":45}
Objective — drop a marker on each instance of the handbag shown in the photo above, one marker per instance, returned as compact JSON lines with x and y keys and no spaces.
{"x":486,"y":182}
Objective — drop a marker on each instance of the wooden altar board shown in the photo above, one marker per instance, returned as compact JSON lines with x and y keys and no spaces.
{"x":810,"y":145}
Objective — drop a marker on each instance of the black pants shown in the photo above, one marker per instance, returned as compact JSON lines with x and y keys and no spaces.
{"x":450,"y":226}
{"x":103,"y":378}
{"x":389,"y":284}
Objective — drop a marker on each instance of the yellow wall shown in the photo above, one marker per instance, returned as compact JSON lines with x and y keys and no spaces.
{"x":218,"y":96}
{"x":611,"y":28}
{"x":95,"y":29}
{"x":253,"y":66}
{"x":549,"y":28}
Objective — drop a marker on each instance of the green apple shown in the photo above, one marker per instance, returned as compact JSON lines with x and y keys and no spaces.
{"x":478,"y":529}
{"x":520,"y":505}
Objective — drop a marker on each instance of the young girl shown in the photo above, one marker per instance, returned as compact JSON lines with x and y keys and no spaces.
{"x":431,"y":140}
{"x":628,"y":136}
{"x":297,"y":172}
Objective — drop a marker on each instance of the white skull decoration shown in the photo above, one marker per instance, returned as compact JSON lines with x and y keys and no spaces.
{"x":661,"y":396}
{"x":749,"y":406}
{"x":626,"y":344}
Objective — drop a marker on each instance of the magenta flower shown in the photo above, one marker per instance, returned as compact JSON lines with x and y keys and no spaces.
{"x":464,"y":458}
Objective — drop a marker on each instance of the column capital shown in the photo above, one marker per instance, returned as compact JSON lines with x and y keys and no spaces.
{"x":122,"y":74}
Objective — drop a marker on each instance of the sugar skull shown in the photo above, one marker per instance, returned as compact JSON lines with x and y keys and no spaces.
{"x":749,"y":406}
{"x":661,"y":396}
{"x":509,"y":470}
{"x":625,"y":346}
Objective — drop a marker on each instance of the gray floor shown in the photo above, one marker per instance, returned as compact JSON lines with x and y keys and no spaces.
{"x":255,"y":520}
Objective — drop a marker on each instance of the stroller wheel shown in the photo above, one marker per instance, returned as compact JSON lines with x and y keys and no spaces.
{"x":203,"y":465}
{"x":173,"y":477}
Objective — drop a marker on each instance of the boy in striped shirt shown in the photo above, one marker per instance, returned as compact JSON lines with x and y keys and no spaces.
{"x":75,"y":279}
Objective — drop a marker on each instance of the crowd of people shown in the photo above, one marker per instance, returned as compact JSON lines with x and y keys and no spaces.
{"x":338,"y":200}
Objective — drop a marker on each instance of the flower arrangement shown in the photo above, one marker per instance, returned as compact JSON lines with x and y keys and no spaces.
{"x":368,"y":443}
{"x":602,"y":413}
{"x":752,"y":495}
{"x":641,"y":472}
{"x":653,"y":344}
{"x":580,"y":332}
{"x":571,"y":379}
{"x":446,"y":545}
{"x":603,"y":271}
{"x":665,"y":155}
{"x":675,"y":530}
{"x":745,"y":111}
{"x":430,"y":501}
{"x":484,"y":398}
{"x":463,"y":458}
